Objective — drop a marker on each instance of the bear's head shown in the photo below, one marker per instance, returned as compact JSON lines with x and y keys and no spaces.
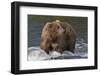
{"x":55,"y":27}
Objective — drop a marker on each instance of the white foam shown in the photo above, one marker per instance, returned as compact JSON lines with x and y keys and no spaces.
{"x":54,"y":54}
{"x":35,"y":53}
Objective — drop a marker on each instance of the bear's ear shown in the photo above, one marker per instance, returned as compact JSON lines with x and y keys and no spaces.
{"x":47,"y":24}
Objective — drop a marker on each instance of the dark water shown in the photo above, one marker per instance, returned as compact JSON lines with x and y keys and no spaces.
{"x":36,"y":23}
{"x":34,"y":33}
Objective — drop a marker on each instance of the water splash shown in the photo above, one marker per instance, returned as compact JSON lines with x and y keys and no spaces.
{"x":35,"y":53}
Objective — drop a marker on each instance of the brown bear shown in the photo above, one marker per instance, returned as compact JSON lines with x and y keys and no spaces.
{"x":58,"y":36}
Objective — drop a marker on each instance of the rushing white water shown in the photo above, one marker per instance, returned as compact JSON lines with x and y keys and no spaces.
{"x":35,"y":53}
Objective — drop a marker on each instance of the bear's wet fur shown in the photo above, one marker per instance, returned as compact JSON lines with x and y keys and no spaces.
{"x":58,"y":36}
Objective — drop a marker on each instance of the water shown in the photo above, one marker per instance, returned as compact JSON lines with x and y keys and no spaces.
{"x":35,"y":25}
{"x":35,"y":53}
